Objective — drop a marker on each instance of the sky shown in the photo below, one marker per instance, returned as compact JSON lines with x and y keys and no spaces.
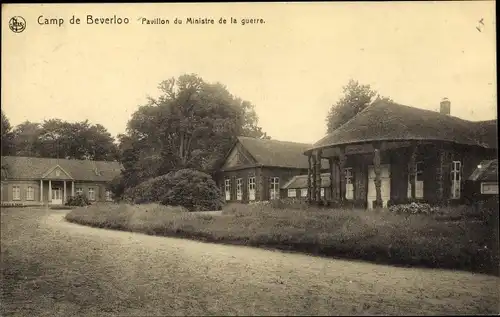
{"x":292,"y":67}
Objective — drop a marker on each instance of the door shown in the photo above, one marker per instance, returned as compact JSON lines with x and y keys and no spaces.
{"x":385,"y":187}
{"x":56,"y":196}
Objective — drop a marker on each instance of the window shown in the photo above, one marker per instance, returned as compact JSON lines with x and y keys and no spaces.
{"x":251,"y":188}
{"x":58,"y":172}
{"x":79,"y":191}
{"x":239,"y":190}
{"x":489,"y":188}
{"x":303,"y":192}
{"x":349,"y":186}
{"x":227,"y":188}
{"x":30,"y":193}
{"x":16,"y":193}
{"x":292,"y":193}
{"x":322,"y":192}
{"x":91,"y":194}
{"x":419,"y":181}
{"x":274,"y":188}
{"x":109,"y":195}
{"x":456,"y":178}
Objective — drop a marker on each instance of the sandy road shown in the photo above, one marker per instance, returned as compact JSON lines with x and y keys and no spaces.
{"x":54,"y":268}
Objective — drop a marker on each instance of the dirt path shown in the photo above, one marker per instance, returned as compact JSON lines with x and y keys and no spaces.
{"x":55,"y":268}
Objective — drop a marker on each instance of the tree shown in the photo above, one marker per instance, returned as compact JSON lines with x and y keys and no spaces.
{"x":191,"y":125}
{"x":6,"y":135}
{"x":60,"y":139}
{"x":26,"y":139}
{"x":355,"y":99}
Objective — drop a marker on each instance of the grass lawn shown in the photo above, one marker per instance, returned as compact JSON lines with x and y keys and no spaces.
{"x":378,"y":236}
{"x":50,"y":267}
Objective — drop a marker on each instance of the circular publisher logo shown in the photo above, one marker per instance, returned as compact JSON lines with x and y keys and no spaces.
{"x":17,"y":24}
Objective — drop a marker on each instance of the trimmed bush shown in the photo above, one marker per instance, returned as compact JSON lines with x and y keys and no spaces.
{"x":413,"y":208}
{"x":289,"y":203}
{"x":78,"y":200}
{"x":193,"y":190}
{"x":150,"y":191}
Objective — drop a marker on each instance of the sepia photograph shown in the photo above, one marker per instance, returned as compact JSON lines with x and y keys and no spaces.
{"x":255,"y":159}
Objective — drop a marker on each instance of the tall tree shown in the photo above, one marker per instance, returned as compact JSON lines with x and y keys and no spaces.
{"x":60,"y":139}
{"x":26,"y":137}
{"x":6,"y":135}
{"x":356,"y":97}
{"x":192,"y":124}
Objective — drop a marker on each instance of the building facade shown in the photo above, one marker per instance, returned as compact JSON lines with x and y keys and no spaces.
{"x":41,"y":181}
{"x":391,"y":153}
{"x":257,"y":169}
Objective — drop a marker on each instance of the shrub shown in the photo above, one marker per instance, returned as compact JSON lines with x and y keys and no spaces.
{"x":289,"y":203}
{"x":413,"y":208}
{"x":78,"y":200}
{"x":149,"y":191}
{"x":193,"y":190}
{"x":12,"y":204}
{"x":117,"y":187}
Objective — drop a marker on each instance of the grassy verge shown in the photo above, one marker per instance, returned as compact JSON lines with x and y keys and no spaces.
{"x":382,"y":237}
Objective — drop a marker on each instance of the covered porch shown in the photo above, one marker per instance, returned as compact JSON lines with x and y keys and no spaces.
{"x":56,"y":180}
{"x":377,"y":174}
{"x":56,"y":192}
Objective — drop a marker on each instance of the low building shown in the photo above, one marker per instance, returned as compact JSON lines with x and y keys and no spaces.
{"x":297,"y":187}
{"x":39,"y":181}
{"x":483,"y":182}
{"x":257,"y":169}
{"x":391,"y":153}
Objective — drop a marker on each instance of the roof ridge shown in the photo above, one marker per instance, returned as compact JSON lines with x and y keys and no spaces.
{"x":54,"y":158}
{"x":274,"y":140}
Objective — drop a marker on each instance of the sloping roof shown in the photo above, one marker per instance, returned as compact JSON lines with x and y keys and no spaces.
{"x":486,"y":132}
{"x":384,"y":120}
{"x":486,"y":171}
{"x":278,"y":153}
{"x":18,"y":167}
{"x":300,"y":181}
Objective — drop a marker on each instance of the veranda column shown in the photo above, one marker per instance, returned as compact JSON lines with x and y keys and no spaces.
{"x":318,"y":175}
{"x":64,"y":192}
{"x":314,"y":175}
{"x":342,"y":161}
{"x":440,"y":170}
{"x":309,"y":189}
{"x":412,"y":169}
{"x":377,"y":180}
{"x":50,"y":191}
{"x":72,"y":188}
{"x":41,"y":190}
{"x":332,"y":186}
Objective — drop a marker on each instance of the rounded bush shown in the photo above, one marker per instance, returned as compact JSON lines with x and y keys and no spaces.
{"x":193,"y":190}
{"x":78,"y":200}
{"x":149,"y":191}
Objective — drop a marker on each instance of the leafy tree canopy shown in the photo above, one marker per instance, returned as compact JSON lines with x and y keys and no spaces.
{"x":356,"y":97}
{"x":191,"y":124}
{"x":61,"y":139}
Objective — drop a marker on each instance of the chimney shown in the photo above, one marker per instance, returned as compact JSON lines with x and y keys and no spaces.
{"x":445,"y":106}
